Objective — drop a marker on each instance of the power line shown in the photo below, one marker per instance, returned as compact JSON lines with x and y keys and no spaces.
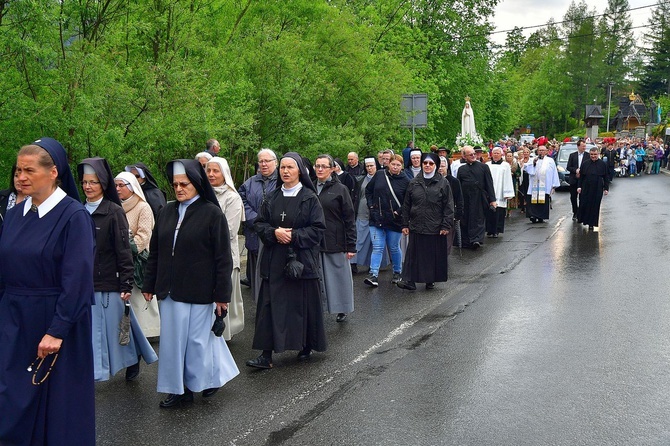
{"x":553,"y":23}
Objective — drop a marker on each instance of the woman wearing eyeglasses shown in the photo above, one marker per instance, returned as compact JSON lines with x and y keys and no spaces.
{"x":46,"y":293}
{"x":189,"y":270}
{"x":428,"y":217}
{"x":112,"y":276}
{"x":141,"y":222}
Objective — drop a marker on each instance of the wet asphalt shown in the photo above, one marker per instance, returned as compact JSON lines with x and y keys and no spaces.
{"x":550,"y":334}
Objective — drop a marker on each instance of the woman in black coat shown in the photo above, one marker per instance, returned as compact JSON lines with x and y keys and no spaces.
{"x":339,"y":241}
{"x":428,"y":217}
{"x":291,"y":222}
{"x":189,"y":270}
{"x":112,"y":276}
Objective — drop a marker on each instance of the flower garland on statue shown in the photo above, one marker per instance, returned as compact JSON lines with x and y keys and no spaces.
{"x":469,"y":140}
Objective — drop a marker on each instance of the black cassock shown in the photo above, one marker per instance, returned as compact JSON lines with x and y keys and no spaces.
{"x":289,"y":315}
{"x":593,"y":179}
{"x":478,"y":192}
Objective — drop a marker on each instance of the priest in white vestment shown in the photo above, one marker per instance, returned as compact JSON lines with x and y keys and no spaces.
{"x":543,"y":180}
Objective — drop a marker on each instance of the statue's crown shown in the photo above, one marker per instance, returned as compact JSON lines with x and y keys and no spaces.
{"x":467,"y":99}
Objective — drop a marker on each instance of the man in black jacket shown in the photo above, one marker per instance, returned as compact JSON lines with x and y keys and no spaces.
{"x":574,"y":165}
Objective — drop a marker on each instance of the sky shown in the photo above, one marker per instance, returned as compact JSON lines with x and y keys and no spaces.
{"x":511,"y":13}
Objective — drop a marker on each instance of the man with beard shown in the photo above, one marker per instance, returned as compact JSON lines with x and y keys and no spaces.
{"x":478,"y":196}
{"x":542,"y":181}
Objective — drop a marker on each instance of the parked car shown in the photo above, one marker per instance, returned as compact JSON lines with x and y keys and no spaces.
{"x":562,"y":161}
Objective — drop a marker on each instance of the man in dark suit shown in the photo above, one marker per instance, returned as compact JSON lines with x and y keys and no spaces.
{"x":574,"y":164}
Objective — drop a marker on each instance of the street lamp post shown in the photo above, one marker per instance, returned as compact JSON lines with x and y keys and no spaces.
{"x":609,"y":103}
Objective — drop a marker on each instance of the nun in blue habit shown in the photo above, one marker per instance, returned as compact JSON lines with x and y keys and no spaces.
{"x":189,"y":270}
{"x":112,"y":276}
{"x":47,"y":247}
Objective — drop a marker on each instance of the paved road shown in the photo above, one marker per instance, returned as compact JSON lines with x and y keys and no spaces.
{"x":550,"y":334}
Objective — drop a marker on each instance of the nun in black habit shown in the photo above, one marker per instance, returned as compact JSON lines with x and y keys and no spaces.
{"x":428,"y":217}
{"x":289,"y":314}
{"x":155,"y":197}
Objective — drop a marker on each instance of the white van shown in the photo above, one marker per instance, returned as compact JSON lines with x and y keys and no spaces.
{"x":527,"y":138}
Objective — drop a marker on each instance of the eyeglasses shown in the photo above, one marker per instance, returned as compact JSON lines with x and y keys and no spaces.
{"x":428,"y":163}
{"x":266,"y":161}
{"x":182,"y":184}
{"x":89,"y":183}
{"x":121,"y":185}
{"x":321,"y":166}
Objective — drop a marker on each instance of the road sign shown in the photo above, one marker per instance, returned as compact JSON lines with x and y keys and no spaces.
{"x":415,"y":109}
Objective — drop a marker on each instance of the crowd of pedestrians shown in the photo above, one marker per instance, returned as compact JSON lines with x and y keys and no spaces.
{"x":80,"y":281}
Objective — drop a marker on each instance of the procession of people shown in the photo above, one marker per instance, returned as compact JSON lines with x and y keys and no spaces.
{"x":305,"y":236}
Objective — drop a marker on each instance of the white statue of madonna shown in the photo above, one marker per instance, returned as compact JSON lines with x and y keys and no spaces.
{"x":468,"y":120}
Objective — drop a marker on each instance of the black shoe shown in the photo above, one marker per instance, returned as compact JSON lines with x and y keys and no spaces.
{"x":540,"y":220}
{"x":354,"y":268}
{"x":430,"y":286}
{"x":305,"y":353}
{"x":132,"y":372}
{"x":210,"y":392}
{"x":590,"y":228}
{"x":244,"y":281}
{"x":476,"y":245}
{"x":396,"y":278}
{"x":408,"y":285}
{"x":371,"y":280}
{"x":260,"y":363}
{"x":341,"y":317}
{"x":175,"y":400}
{"x":533,"y":220}
{"x":574,"y":217}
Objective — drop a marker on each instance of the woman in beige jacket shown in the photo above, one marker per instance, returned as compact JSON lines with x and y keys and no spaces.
{"x":141,"y":223}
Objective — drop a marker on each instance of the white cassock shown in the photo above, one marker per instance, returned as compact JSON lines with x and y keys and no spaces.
{"x":502,"y":182}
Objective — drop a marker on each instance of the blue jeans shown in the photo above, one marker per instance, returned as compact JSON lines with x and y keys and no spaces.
{"x":381,"y":238}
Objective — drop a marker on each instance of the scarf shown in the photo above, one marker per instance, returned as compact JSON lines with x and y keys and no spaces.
{"x":130,"y":203}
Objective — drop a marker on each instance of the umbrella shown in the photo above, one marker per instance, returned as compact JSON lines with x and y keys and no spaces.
{"x":219,"y":323}
{"x":458,"y":239}
{"x":124,"y":326}
{"x":293,"y":268}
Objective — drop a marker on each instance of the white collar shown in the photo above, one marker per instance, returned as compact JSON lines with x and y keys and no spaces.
{"x":47,"y":205}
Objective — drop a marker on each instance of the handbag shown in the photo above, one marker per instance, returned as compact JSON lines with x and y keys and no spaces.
{"x":294,"y":268}
{"x":397,"y":216}
{"x":140,"y":260}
